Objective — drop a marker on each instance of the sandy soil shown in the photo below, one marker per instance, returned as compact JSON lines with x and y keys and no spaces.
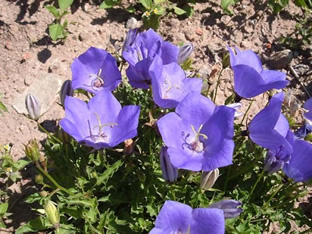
{"x":26,"y":49}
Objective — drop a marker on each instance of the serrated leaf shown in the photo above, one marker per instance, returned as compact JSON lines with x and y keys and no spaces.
{"x":179,"y":11}
{"x":37,"y":224}
{"x":63,"y":4}
{"x":54,"y":11}
{"x":56,"y":31}
{"x":109,"y":172}
{"x":20,"y":164}
{"x":147,"y":4}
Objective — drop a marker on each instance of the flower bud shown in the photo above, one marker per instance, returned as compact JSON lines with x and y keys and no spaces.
{"x":32,"y":150}
{"x":229,"y":208}
{"x":39,"y":179}
{"x":169,"y":172}
{"x":236,"y":106}
{"x":185,"y":52}
{"x":52,"y":214}
{"x":43,"y":193}
{"x":66,"y":90}
{"x":32,"y":106}
{"x":130,"y":38}
{"x":226,"y":60}
{"x":208,"y":179}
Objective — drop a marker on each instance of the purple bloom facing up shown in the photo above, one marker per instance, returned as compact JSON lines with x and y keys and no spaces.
{"x":299,"y":166}
{"x":269,"y":128}
{"x":170,"y":84}
{"x":198,"y":134}
{"x":250,"y":79}
{"x":101,"y":123}
{"x":95,"y":70}
{"x":141,"y":53}
{"x":178,"y":218}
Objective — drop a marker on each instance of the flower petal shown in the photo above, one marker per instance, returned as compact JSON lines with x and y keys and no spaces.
{"x":170,"y":53}
{"x":208,"y":221}
{"x":186,"y":159}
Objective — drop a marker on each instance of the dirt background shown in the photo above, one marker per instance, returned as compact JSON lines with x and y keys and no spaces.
{"x":26,"y":50}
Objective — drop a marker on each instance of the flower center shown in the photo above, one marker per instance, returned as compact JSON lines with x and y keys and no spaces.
{"x":100,"y":136}
{"x":168,"y":87}
{"x":197,"y":144}
{"x":97,"y":82}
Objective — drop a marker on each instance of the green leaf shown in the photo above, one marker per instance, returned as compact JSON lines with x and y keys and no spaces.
{"x":3,"y":107}
{"x":179,"y":11}
{"x":37,"y":224}
{"x":108,"y":4}
{"x":131,"y":9}
{"x":54,"y":11}
{"x":157,"y":2}
{"x":225,"y":4}
{"x":20,"y":164}
{"x":301,"y":3}
{"x":56,"y":31}
{"x":109,"y":172}
{"x":147,"y":4}
{"x":63,"y":4}
{"x":3,"y":208}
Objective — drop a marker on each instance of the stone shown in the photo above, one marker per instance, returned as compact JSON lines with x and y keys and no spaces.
{"x":83,"y":36}
{"x":132,"y":23}
{"x":280,"y":59}
{"x":45,"y":87}
{"x":8,"y":45}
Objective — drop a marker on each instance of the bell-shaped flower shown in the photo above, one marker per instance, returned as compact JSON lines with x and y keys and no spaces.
{"x":306,"y":128}
{"x":198,"y":134}
{"x":299,"y":166}
{"x":169,"y":83}
{"x":94,"y":71}
{"x":32,"y":106}
{"x":277,"y":158}
{"x":169,"y":172}
{"x":250,"y":79}
{"x":185,"y":52}
{"x":208,"y":179}
{"x":269,"y":127}
{"x":175,"y":217}
{"x":229,"y":207}
{"x":141,"y":53}
{"x":101,"y":123}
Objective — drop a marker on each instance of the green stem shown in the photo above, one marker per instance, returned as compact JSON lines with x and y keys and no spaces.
{"x":272,"y":195}
{"x":49,"y":134}
{"x":52,"y":180}
{"x":227,"y":179}
{"x":218,"y":83}
{"x":245,"y":115}
{"x":255,"y":185}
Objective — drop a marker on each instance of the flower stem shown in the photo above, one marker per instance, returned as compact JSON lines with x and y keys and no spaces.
{"x":227,"y":179}
{"x":255,"y":185}
{"x":272,"y":195}
{"x":245,"y":115}
{"x":49,"y":134}
{"x":52,"y":180}
{"x":218,"y":83}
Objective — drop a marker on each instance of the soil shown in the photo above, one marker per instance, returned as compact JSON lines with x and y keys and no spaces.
{"x":26,"y":51}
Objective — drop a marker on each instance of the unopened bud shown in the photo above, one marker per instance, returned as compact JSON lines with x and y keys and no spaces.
{"x":208,"y":179}
{"x":43,"y":193}
{"x":39,"y":179}
{"x":226,"y":60}
{"x":169,"y":172}
{"x":32,"y":150}
{"x":229,"y":208}
{"x":32,"y":106}
{"x":52,"y":214}
{"x":129,"y":146}
{"x":130,"y":38}
{"x":66,"y":90}
{"x":185,"y":52}
{"x":236,"y":106}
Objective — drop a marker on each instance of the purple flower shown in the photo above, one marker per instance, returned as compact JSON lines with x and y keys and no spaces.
{"x":169,"y":172}
{"x":140,"y":54}
{"x":229,"y":207}
{"x":175,"y":217}
{"x":250,"y":79}
{"x":299,"y":166}
{"x":308,"y":106}
{"x":198,"y":134}
{"x":277,"y":158}
{"x":269,"y":127}
{"x":101,"y":123}
{"x":170,"y":84}
{"x":95,"y":70}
